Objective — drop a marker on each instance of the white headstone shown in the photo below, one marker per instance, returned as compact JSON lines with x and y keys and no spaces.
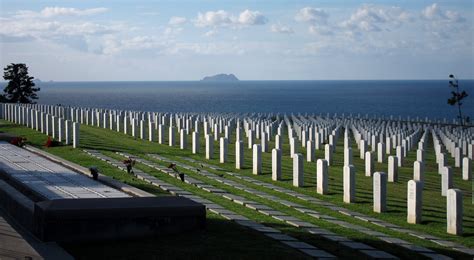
{"x":400,"y":156}
{"x":310,"y":149}
{"x":264,"y":142}
{"x":369,"y":164}
{"x":380,"y":192}
{"x":250,"y":139}
{"x":418,"y":171}
{"x":392,"y":169}
{"x":75,"y":135}
{"x":151,"y":132}
{"x":209,"y":147}
{"x":322,"y":176}
{"x":380,"y":152}
{"x":420,"y":155}
{"x":183,"y":139}
{"x":363,"y":149}
{"x":223,"y":150}
{"x":414,"y":201}
{"x":347,"y":156}
{"x":328,"y":153}
{"x":441,"y":162}
{"x":349,"y":183}
{"x":196,"y":145}
{"x":293,"y":146}
{"x":61,"y":130}
{"x":171,"y":135}
{"x":278,"y":142}
{"x":68,"y":132}
{"x":457,"y":157}
{"x":454,"y":211}
{"x":388,"y":145}
{"x":298,"y":174}
{"x":239,"y":154}
{"x":446,"y":180}
{"x":466,"y":169}
{"x":161,"y":134}
{"x":257,"y":159}
{"x":276,"y":164}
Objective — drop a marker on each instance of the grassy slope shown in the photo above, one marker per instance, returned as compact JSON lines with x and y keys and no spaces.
{"x":221,"y":238}
{"x":433,"y":208}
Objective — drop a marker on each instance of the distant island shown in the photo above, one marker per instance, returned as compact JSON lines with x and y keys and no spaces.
{"x":221,"y":77}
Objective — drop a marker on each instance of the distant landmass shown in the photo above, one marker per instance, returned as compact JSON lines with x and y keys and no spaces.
{"x":221,"y":77}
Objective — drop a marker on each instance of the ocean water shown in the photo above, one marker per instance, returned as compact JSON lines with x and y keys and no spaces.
{"x":423,"y":98}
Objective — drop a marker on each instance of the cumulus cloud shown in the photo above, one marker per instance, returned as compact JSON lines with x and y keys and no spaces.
{"x":371,"y":18}
{"x":222,"y":18}
{"x":433,"y":12}
{"x":176,"y":21}
{"x":211,"y":18}
{"x":312,"y":15}
{"x":248,"y":17}
{"x":49,"y":12}
{"x":278,"y":28}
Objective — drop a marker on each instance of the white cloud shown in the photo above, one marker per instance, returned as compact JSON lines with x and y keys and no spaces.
{"x":278,"y":28}
{"x":172,"y":31}
{"x":222,"y":18}
{"x":210,"y":33}
{"x":176,"y":21}
{"x":112,"y":45}
{"x":371,"y":18}
{"x":433,"y":12}
{"x":248,"y":17}
{"x":213,"y":19}
{"x":312,"y":15}
{"x":49,"y":12}
{"x":211,"y":49}
{"x":46,"y":29}
{"x":320,"y":30}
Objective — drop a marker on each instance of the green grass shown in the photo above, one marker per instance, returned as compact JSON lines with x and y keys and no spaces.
{"x":220,"y":239}
{"x":433,"y":204}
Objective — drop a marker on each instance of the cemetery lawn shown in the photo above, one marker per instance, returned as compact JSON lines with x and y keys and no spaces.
{"x":224,"y":238}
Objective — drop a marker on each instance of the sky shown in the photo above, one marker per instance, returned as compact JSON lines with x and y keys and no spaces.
{"x":105,"y":40}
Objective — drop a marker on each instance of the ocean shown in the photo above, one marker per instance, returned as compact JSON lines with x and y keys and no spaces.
{"x":422,"y":98}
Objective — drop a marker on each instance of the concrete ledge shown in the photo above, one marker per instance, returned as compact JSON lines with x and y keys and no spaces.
{"x":17,"y":205}
{"x":74,"y":220}
{"x":106,"y":180}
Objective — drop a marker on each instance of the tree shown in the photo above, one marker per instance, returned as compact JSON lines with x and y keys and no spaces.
{"x":20,"y":88}
{"x":457,"y":97}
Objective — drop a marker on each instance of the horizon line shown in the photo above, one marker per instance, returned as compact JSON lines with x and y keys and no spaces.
{"x":66,"y":81}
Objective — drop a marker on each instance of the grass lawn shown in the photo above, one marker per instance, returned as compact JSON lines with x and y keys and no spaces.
{"x":224,"y":239}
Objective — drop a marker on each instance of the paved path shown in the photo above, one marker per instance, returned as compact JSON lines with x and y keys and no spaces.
{"x":308,"y":249}
{"x":49,"y":179}
{"x":13,"y":245}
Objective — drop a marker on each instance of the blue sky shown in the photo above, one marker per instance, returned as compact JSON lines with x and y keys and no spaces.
{"x":255,"y":40}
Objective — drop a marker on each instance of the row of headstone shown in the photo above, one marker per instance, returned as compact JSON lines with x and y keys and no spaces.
{"x":57,"y":128}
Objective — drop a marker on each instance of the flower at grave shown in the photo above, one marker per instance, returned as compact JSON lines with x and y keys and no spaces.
{"x":18,"y":141}
{"x":49,"y":142}
{"x":173,"y":167}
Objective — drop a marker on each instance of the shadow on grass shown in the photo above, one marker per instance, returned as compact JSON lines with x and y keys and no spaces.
{"x":221,"y":239}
